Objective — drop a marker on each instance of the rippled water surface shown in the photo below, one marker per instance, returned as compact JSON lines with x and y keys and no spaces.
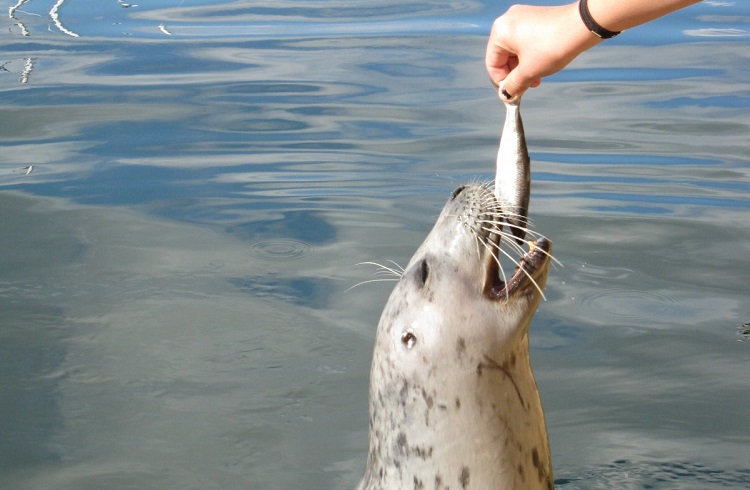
{"x":186,"y":187}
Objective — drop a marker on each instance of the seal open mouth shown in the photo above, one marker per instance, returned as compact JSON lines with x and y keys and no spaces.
{"x":526,"y":273}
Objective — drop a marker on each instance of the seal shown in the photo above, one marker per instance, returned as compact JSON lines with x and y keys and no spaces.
{"x":453,"y":401}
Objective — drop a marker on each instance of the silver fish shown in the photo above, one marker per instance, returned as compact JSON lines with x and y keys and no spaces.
{"x":513,"y":174}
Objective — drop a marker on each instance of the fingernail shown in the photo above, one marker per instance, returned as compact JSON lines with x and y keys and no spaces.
{"x":505,"y":94}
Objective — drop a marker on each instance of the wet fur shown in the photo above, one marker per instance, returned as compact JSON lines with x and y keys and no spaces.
{"x":453,"y":401}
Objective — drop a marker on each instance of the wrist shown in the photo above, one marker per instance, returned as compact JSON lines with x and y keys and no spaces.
{"x":579,"y":34}
{"x":591,"y":24}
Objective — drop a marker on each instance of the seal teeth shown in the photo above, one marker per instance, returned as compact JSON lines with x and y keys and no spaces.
{"x":523,"y":274}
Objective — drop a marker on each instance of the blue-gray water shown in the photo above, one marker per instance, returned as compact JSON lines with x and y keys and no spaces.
{"x":186,"y":187}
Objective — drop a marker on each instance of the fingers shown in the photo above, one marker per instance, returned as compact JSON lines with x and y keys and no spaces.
{"x":498,"y":64}
{"x":499,"y":59}
{"x":509,"y":90}
{"x":502,"y":59}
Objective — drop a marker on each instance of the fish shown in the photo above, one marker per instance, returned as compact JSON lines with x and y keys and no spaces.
{"x":513,"y":171}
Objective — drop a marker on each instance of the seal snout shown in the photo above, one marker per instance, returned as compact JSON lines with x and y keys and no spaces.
{"x":496,"y":235}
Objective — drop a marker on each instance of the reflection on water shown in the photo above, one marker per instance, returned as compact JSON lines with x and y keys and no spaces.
{"x":23,"y":67}
{"x":182,"y":215}
{"x":12,"y":14}
{"x":623,"y":474}
{"x":54,"y":15}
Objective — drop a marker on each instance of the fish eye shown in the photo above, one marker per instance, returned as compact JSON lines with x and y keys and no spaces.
{"x":408,"y":339}
{"x":424,"y":272}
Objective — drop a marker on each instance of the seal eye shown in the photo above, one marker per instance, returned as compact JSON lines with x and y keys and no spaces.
{"x":408,"y":339}
{"x":424,"y":272}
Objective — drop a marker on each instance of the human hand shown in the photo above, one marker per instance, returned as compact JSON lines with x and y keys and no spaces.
{"x":530,"y":42}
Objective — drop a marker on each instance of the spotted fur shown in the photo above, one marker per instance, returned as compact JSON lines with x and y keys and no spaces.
{"x":453,"y":402}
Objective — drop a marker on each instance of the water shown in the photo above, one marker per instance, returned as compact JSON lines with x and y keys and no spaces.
{"x":187,"y":186}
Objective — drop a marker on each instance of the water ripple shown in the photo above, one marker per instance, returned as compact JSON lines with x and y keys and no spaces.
{"x":632,"y":474}
{"x":638,"y":306}
{"x":278,"y":249}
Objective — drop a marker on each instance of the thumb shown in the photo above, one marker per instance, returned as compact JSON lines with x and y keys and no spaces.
{"x":515,"y":85}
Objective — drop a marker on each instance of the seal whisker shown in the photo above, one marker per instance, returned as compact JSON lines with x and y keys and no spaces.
{"x":536,"y":237}
{"x":390,"y":279}
{"x":510,"y":239}
{"x":477,"y":241}
{"x":397,"y":266}
{"x":507,"y":254}
{"x":396,"y":270}
{"x":551,"y":257}
{"x":511,"y":219}
{"x":489,"y":244}
{"x":526,"y":273}
{"x":518,"y":264}
{"x":518,"y":248}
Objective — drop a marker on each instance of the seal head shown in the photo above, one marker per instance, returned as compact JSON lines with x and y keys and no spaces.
{"x":453,"y":401}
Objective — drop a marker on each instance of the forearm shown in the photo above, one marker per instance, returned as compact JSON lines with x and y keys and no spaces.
{"x":531,"y":42}
{"x":619,"y":15}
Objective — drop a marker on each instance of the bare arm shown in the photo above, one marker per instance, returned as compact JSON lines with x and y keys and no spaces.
{"x":618,"y":15}
{"x":531,"y":42}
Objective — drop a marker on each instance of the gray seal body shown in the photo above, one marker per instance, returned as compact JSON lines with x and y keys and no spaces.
{"x":453,"y":401}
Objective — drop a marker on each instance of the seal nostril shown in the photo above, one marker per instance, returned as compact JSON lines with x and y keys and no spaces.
{"x":457,"y":192}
